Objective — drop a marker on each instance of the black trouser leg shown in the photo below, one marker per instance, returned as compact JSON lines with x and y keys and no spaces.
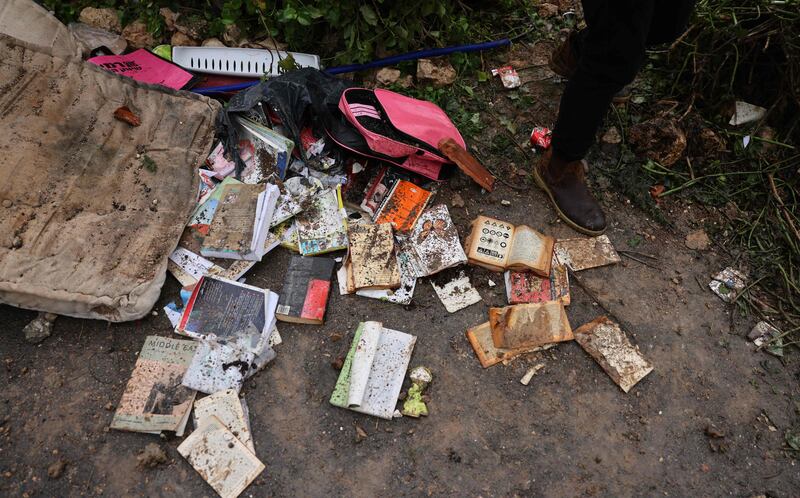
{"x":612,"y":52}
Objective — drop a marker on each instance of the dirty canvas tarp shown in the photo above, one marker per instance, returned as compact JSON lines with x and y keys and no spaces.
{"x":29,"y":22}
{"x":86,"y":225}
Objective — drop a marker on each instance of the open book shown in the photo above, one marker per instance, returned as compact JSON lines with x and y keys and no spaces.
{"x":498,"y":245}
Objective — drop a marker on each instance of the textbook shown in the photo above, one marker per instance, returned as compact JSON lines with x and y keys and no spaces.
{"x":499,"y":245}
{"x":403,"y":206}
{"x":433,"y":245}
{"x":304,"y":296}
{"x":527,"y":287}
{"x":322,"y":227}
{"x":371,"y":260}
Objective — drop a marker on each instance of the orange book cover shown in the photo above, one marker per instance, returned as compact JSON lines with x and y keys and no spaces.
{"x":403,"y":206}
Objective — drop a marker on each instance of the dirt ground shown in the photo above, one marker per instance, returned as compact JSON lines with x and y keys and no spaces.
{"x":571,"y":432}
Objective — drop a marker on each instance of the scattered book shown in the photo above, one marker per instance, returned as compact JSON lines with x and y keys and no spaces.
{"x":403,"y":206}
{"x":306,"y":287}
{"x":286,"y":233}
{"x":480,"y":338}
{"x":371,"y":260}
{"x":154,"y":399}
{"x":201,"y":218}
{"x":296,"y":194}
{"x":220,"y":365}
{"x":498,"y":245}
{"x":229,"y":409}
{"x":187,"y":267}
{"x":455,"y":290}
{"x":605,"y":341}
{"x":322,"y":228}
{"x":373,"y":371}
{"x":433,"y":244}
{"x":525,"y":325}
{"x":270,"y":151}
{"x":225,"y":310}
{"x":378,"y":187}
{"x":403,"y":294}
{"x":527,"y":287}
{"x":222,"y":460}
{"x":241,"y":222}
{"x":584,"y":253}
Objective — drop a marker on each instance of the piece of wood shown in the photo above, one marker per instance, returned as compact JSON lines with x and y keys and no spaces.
{"x":526,"y":325}
{"x":467,"y":163}
{"x":605,"y":341}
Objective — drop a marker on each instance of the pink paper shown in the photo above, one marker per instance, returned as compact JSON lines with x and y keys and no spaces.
{"x":143,"y":66}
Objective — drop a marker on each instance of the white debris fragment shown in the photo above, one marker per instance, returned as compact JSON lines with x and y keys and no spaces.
{"x":746,"y":113}
{"x":526,"y":379}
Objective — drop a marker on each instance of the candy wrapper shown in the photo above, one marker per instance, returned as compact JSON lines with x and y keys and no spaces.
{"x":540,"y":137}
{"x":508,"y":75}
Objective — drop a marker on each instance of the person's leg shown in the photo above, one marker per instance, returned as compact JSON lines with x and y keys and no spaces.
{"x":612,"y":49}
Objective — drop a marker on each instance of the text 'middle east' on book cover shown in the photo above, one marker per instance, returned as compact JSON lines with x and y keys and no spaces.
{"x":304,"y":296}
{"x":154,"y":399}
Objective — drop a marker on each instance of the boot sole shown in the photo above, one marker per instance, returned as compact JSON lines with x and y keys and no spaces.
{"x":564,"y":217}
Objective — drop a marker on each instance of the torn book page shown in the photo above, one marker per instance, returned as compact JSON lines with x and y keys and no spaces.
{"x":455,"y":290}
{"x":728,"y":283}
{"x":403,"y":294}
{"x":534,"y":324}
{"x":227,"y":407}
{"x":584,"y":253}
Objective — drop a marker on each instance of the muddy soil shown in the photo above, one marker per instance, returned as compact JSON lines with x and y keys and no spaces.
{"x":571,"y":432}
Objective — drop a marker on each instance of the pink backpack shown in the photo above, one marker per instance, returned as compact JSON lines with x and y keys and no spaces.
{"x":399,"y":129}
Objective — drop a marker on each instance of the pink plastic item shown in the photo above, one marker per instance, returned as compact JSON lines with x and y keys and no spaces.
{"x":145,"y":67}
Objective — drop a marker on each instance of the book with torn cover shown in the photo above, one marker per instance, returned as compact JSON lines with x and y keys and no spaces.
{"x":586,"y":252}
{"x":270,"y":151}
{"x":527,"y":287}
{"x":220,"y":365}
{"x":373,"y":371}
{"x":225,"y":310}
{"x":433,"y":244}
{"x":322,"y":228}
{"x":499,"y":245}
{"x":524,"y":325}
{"x":403,"y":206}
{"x":154,"y":399}
{"x":296,"y":194}
{"x":378,"y":188}
{"x":403,"y":294}
{"x":605,"y":341}
{"x":306,"y":287}
{"x":241,"y":222}
{"x":201,"y":218}
{"x":187,"y":266}
{"x":229,"y":409}
{"x":371,"y":260}
{"x":222,"y":460}
{"x":480,"y":338}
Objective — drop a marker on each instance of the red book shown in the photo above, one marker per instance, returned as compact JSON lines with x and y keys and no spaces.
{"x":304,"y":296}
{"x":527,"y":287}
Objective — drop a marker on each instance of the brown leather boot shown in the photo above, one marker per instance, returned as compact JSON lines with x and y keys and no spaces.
{"x":564,"y":59}
{"x":565,"y":184}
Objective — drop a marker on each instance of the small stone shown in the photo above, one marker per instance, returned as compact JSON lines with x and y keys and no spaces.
{"x":698,"y":240}
{"x":181,"y":40}
{"x":7,"y":203}
{"x":406,"y":81}
{"x":505,"y":202}
{"x":16,"y":243}
{"x":109,"y":406}
{"x":151,"y":456}
{"x":437,"y":72}
{"x":457,"y":201}
{"x":212,"y":42}
{"x":361,"y":434}
{"x":137,"y":35}
{"x":387,"y":76}
{"x":336,"y":337}
{"x":169,"y":17}
{"x":101,"y":18}
{"x":338,"y":363}
{"x":55,"y":470}
{"x":547,"y":10}
{"x":232,"y":34}
{"x":612,"y":136}
{"x":38,"y":329}
{"x":194,"y":26}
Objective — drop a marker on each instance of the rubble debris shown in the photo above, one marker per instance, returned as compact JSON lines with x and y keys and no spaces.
{"x":584,"y":253}
{"x":541,"y":137}
{"x":727,"y":284}
{"x":659,"y":139}
{"x":697,"y":240}
{"x":457,"y":201}
{"x":371,"y":261}
{"x":433,"y":244}
{"x":143,"y":66}
{"x":414,"y":404}
{"x":154,"y":399}
{"x":138,"y":35}
{"x":455,"y":290}
{"x":499,"y":245}
{"x":526,"y":379}
{"x":228,"y":408}
{"x":605,"y":341}
{"x":467,"y":163}
{"x":526,"y":325}
{"x":436,"y":72}
{"x":480,"y":338}
{"x":508,"y":76}
{"x":527,"y":287}
{"x":240,"y":224}
{"x":746,"y":113}
{"x":402,"y":206}
{"x":55,"y":469}
{"x":768,"y":337}
{"x":222,"y":460}
{"x":305,"y":291}
{"x":40,"y":327}
{"x":106,"y":19}
{"x":322,"y":228}
{"x":361,"y":434}
{"x":125,"y":115}
{"x":373,"y":372}
{"x":151,"y":456}
{"x":387,"y":76}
